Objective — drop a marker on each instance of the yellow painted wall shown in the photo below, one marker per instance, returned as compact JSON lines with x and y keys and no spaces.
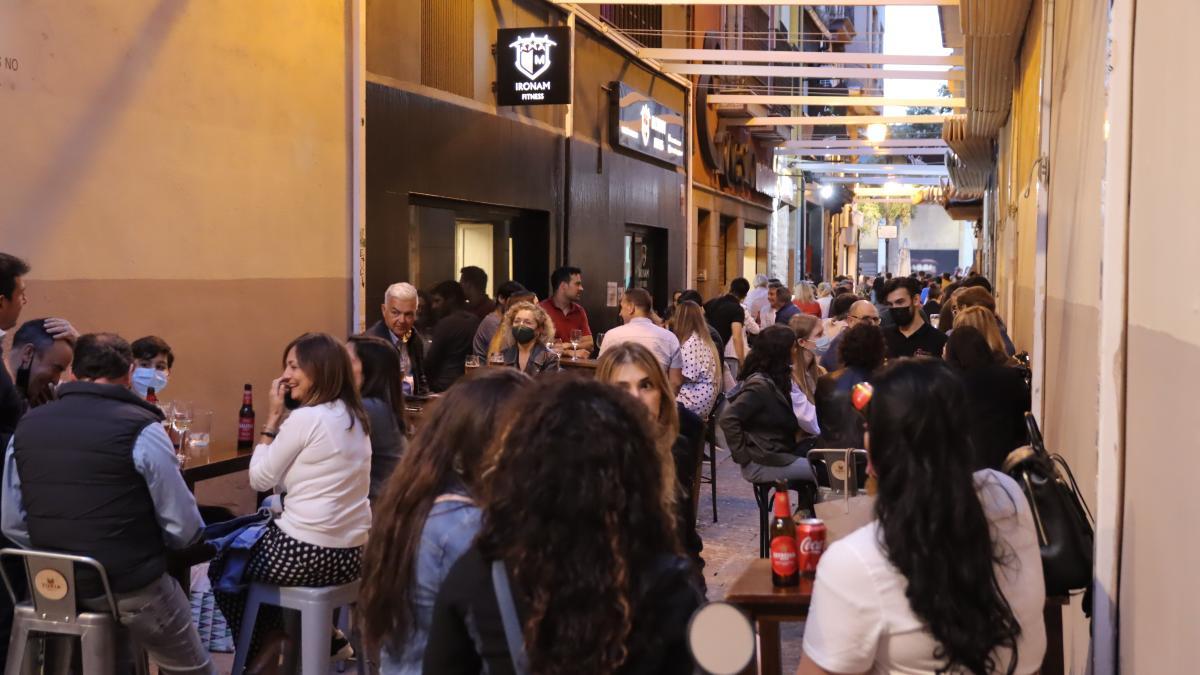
{"x":1159,"y":591}
{"x":181,"y":168}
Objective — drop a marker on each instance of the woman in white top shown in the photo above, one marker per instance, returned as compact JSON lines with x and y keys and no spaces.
{"x":319,"y":455}
{"x":948,"y":578}
{"x":698,"y":381}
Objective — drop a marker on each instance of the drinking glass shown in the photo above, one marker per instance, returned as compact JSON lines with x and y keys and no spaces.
{"x":198,"y":436}
{"x":181,"y":422}
{"x":576,"y":336}
{"x":473,"y":362}
{"x":496,"y":359}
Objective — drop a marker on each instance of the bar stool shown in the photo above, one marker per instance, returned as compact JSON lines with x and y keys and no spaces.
{"x":53,"y":611}
{"x":316,"y":607}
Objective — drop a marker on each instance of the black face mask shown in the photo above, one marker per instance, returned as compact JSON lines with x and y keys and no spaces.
{"x":903,"y":316}
{"x":523,"y":334}
{"x":23,"y":379}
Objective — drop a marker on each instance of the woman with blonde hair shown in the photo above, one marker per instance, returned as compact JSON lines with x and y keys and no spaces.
{"x":699,"y":381}
{"x":806,"y":299}
{"x":806,"y":369}
{"x":521,"y":340}
{"x":824,"y":297}
{"x":983,"y":320}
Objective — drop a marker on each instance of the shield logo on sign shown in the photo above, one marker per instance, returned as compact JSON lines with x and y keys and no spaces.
{"x":646,"y":118}
{"x":532,"y":54}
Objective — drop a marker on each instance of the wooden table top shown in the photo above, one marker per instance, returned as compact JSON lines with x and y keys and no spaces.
{"x":754,"y":592}
{"x":589,"y":364}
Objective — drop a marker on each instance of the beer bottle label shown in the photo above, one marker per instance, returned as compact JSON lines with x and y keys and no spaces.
{"x":246,"y":429}
{"x":783,"y":556}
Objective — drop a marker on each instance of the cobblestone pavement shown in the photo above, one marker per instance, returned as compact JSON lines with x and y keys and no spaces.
{"x":732,"y":542}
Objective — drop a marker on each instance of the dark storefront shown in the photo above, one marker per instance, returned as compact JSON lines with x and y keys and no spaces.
{"x":453,"y":180}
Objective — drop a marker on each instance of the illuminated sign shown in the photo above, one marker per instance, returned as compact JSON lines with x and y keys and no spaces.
{"x":533,"y":66}
{"x":644,"y":125}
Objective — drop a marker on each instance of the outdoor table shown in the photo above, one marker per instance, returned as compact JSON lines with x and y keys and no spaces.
{"x":583,"y":365}
{"x":767,"y":606}
{"x":220,"y":462}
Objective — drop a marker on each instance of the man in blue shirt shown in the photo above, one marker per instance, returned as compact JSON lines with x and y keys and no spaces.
{"x":94,"y":473}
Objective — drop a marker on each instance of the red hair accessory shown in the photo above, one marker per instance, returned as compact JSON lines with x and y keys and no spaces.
{"x":861,"y":395}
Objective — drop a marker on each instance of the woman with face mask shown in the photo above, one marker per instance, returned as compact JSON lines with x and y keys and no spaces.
{"x":524,"y":332}
{"x":153,"y":360}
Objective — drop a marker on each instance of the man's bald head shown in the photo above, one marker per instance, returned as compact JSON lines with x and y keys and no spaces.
{"x":862,"y":312}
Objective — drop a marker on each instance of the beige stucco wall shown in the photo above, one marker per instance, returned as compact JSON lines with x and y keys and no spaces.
{"x":1073,"y":258}
{"x":181,"y":168}
{"x":1159,"y":620}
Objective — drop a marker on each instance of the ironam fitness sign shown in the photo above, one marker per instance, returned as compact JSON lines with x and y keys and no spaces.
{"x":533,"y":66}
{"x":646,"y":126}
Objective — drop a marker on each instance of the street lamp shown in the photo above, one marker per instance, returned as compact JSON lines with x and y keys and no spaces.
{"x":877,"y":132}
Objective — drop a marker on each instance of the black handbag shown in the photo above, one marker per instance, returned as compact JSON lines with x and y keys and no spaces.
{"x":1062,"y":518}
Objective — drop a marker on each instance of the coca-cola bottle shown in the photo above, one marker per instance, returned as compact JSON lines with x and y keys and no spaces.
{"x":246,"y":421}
{"x":784,"y":568}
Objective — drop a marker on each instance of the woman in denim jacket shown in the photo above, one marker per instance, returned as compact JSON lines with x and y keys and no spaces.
{"x":427,"y":518}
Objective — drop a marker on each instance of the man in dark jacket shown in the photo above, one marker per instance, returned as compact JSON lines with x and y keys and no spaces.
{"x":93,"y":473}
{"x":399,"y":312}
{"x":453,"y":335}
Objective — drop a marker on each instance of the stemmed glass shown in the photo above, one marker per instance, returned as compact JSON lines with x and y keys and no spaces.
{"x":576,"y":336}
{"x":181,"y":421}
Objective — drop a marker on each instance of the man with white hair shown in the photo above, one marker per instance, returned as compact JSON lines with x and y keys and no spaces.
{"x":399,"y":311}
{"x":757,"y":300}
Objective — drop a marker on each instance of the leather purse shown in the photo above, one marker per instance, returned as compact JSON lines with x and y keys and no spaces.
{"x":1062,"y":518}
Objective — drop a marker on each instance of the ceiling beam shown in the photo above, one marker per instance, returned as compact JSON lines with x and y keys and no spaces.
{"x":883,"y":169}
{"x":823,"y":120}
{"x":860,"y":152}
{"x":775,"y":99}
{"x":827,"y":58}
{"x":885,"y":192}
{"x":878,"y":180}
{"x":779,"y":3}
{"x":817,"y":143}
{"x":834,"y":72}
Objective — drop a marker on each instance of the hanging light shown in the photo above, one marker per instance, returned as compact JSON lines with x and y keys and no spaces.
{"x":826,"y":191}
{"x":877,"y":132}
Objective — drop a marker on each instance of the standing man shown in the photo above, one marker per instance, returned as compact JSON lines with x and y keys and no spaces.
{"x":491,"y":323}
{"x":727,"y":315}
{"x":452,"y":337}
{"x":911,"y":335}
{"x":861,"y":311}
{"x":636,"y":306}
{"x":94,"y":474}
{"x":474,"y":284}
{"x":757,"y":300}
{"x":566,"y":290}
{"x":781,"y":302}
{"x":399,"y":311}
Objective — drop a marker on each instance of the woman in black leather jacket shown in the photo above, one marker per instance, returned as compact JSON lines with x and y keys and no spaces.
{"x":862,"y":353}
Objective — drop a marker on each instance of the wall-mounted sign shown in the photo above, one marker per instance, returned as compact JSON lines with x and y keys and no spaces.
{"x":887,"y":231}
{"x":533,"y":66}
{"x":644,"y":125}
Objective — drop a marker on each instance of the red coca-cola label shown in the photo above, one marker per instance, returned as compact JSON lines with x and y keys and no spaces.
{"x":783,"y":556}
{"x":810,"y":543}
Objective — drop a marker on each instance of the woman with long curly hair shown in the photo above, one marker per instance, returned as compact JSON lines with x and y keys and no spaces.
{"x":948,"y":577}
{"x":521,"y":340}
{"x":579,"y":515}
{"x":427,"y":516}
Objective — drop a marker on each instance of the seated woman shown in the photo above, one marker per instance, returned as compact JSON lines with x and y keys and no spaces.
{"x":579,"y":523}
{"x":948,"y":577}
{"x":699,"y":380}
{"x":319,"y":454}
{"x":522,"y":337}
{"x":863,"y":350}
{"x":376,"y":366}
{"x":427,"y":516}
{"x":634,"y":369}
{"x":763,"y":419}
{"x":997,"y":397}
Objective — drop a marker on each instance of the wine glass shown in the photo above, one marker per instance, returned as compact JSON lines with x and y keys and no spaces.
{"x":181,"y":422}
{"x":576,"y":336}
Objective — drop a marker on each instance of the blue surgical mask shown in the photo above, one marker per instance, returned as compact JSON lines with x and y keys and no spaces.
{"x":823,"y":345}
{"x":144,"y":378}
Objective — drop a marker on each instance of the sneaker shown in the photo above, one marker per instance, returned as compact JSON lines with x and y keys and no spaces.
{"x":339,"y":647}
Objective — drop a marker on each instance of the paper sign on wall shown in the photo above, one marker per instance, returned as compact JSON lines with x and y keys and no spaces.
{"x":614,"y":294}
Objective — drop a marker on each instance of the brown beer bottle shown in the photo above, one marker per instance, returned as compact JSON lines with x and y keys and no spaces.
{"x":151,"y":396}
{"x":785,"y":570}
{"x":245,"y":439}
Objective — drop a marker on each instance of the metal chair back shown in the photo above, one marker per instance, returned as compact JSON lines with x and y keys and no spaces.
{"x":52,"y":582}
{"x":844,"y":469}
